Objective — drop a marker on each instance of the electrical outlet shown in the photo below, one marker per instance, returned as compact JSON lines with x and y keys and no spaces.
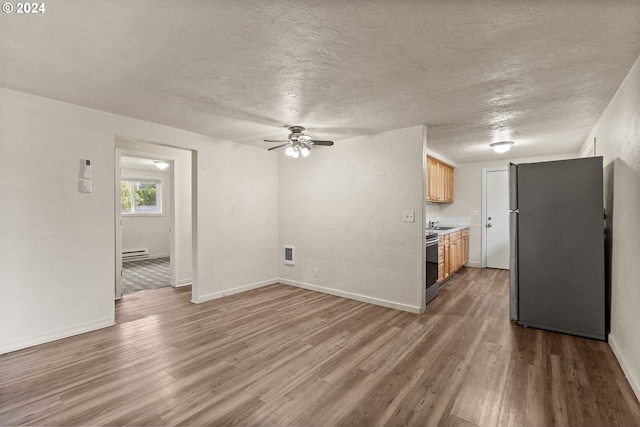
{"x":315,"y":272}
{"x":473,"y":212}
{"x":409,"y":216}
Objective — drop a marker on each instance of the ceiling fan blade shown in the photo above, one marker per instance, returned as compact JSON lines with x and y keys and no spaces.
{"x":275,"y":140}
{"x":325,"y":143}
{"x":278,"y":146}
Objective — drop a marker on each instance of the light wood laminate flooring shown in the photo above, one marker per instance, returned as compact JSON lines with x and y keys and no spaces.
{"x":280,"y":355}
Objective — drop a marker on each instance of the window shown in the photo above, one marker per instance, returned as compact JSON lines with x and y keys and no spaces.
{"x":140,"y":197}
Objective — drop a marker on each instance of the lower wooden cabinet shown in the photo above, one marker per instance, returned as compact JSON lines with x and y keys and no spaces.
{"x":465,"y":246}
{"x":447,"y":257}
{"x":441,"y":259}
{"x":453,"y":253}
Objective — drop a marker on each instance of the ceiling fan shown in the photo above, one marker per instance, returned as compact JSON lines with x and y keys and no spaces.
{"x":298,"y":143}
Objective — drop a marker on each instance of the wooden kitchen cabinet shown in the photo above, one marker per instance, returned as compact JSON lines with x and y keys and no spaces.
{"x":465,"y":246}
{"x":433,"y":180}
{"x":453,"y":253}
{"x":439,"y":181}
{"x":441,"y":259}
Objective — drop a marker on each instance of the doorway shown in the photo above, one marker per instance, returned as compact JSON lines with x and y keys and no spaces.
{"x":146,"y":219}
{"x":495,"y":216}
{"x":154,"y":239}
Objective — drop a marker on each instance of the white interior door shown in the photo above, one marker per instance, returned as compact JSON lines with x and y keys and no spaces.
{"x":496,"y":217}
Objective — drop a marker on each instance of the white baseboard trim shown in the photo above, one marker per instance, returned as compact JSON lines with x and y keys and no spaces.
{"x":236,"y":290}
{"x":474,"y":264}
{"x":184,"y":282}
{"x":632,"y":377}
{"x":316,"y":288}
{"x":158,"y":256}
{"x":56,"y":335}
{"x":353,"y":296}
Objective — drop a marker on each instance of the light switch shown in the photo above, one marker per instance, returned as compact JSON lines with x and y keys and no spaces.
{"x":409,"y":216}
{"x":87,"y":186}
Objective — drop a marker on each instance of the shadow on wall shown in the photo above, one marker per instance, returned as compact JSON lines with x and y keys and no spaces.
{"x":608,"y":175}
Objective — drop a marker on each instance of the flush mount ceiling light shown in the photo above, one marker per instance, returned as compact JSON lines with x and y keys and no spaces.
{"x":160,"y":164}
{"x":502,"y":146}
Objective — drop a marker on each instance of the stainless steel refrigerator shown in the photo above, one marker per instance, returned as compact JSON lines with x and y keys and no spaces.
{"x":557,"y":246}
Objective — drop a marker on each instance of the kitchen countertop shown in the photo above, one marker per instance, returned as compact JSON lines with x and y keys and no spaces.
{"x":451,"y":230}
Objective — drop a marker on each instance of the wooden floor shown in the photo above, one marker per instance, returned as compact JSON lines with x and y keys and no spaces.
{"x":281,"y":355}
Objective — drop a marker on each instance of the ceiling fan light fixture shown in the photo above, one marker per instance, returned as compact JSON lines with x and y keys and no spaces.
{"x":289,"y":151}
{"x":502,"y":146}
{"x":298,"y":143}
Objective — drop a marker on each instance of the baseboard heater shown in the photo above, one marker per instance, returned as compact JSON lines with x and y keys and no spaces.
{"x":135,"y":254}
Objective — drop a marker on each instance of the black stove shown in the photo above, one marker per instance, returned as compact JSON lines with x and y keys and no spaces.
{"x":431,"y":244}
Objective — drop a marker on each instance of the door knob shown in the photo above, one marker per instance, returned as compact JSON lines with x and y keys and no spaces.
{"x":489,"y":225}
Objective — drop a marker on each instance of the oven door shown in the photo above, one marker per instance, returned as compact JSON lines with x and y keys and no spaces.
{"x":432,"y":269}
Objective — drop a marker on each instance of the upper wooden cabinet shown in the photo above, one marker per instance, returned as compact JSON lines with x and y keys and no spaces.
{"x":439,"y":181}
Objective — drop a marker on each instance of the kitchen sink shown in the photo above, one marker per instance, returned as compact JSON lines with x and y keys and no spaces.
{"x":442,"y":228}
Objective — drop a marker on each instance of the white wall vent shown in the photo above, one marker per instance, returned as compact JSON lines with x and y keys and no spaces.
{"x":135,"y":254}
{"x":290,"y":255}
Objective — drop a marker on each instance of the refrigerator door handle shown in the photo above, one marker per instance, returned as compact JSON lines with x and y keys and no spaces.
{"x":514,"y":311}
{"x":513,"y":267}
{"x":513,"y":186}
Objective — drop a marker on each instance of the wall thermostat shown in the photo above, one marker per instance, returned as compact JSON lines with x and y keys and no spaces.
{"x":87,"y":173}
{"x":289,"y":255}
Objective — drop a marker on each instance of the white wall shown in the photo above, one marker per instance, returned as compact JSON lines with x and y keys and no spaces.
{"x":342,"y":210}
{"x":57,"y":250}
{"x":182,"y":171}
{"x":467,"y":196}
{"x":238,"y":207}
{"x":618,"y":141}
{"x":149,"y":231}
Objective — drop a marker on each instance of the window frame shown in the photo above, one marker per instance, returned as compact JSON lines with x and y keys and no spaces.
{"x":132,"y":181}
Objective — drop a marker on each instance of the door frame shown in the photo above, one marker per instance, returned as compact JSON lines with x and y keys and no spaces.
{"x":483,"y":226}
{"x":118,"y":226}
{"x":173,"y":256}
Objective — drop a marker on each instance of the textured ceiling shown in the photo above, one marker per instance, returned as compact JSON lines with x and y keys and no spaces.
{"x":474,"y":72}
